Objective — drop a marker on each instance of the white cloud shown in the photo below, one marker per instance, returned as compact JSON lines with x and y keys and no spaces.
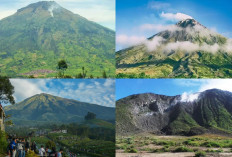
{"x":109,"y":83}
{"x":189,"y":47}
{"x":203,"y":85}
{"x":101,"y":94}
{"x":27,"y":88}
{"x":189,"y":97}
{"x":175,"y":17}
{"x":189,"y":82}
{"x":127,"y":41}
{"x":158,"y":5}
{"x":184,"y":45}
{"x":223,"y":84}
{"x":154,"y":43}
{"x":4,"y":13}
{"x":158,"y":27}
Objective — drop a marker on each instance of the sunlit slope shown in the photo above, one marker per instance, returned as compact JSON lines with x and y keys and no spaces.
{"x":36,"y":37}
{"x":48,"y":108}
{"x":186,"y":50}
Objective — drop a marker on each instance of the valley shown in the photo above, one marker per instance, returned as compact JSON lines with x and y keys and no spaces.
{"x":79,"y":128}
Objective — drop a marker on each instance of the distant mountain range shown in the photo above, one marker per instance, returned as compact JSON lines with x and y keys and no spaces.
{"x":36,"y":37}
{"x":185,"y":50}
{"x":45,"y":108}
{"x":205,"y":112}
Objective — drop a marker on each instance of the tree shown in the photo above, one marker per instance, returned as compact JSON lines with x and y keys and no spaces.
{"x":62,"y":65}
{"x":50,"y":144}
{"x":6,"y":91}
{"x":104,"y":74}
{"x":84,"y":72}
{"x":8,"y":122}
{"x":90,"y":116}
{"x":79,"y":75}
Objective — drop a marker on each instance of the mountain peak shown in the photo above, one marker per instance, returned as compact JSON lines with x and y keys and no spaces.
{"x":44,"y":4}
{"x":188,"y":23}
{"x":41,"y":5}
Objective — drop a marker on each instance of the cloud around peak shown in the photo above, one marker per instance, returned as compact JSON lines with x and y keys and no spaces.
{"x":175,"y":16}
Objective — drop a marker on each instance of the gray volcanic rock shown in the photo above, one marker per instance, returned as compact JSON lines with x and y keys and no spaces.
{"x":159,"y":114}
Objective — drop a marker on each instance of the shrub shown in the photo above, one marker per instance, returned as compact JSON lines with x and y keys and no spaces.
{"x":200,"y":154}
{"x":3,"y":142}
{"x":131,"y":150}
{"x":211,"y":144}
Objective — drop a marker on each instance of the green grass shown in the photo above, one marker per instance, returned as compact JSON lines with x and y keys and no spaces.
{"x":200,"y":154}
{"x":174,"y":143}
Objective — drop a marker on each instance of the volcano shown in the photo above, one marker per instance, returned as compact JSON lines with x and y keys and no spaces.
{"x":185,"y":50}
{"x":45,"y":108}
{"x":209,"y":112}
{"x":36,"y":37}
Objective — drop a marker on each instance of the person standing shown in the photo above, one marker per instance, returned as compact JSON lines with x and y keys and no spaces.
{"x":33,"y":147}
{"x":23,"y":151}
{"x":20,"y":149}
{"x":42,"y":151}
{"x":53,"y":153}
{"x":12,"y":148}
{"x":27,"y":146}
{"x":59,"y":154}
{"x":46,"y":152}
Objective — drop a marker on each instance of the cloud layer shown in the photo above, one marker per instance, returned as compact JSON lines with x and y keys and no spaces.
{"x":158,"y":42}
{"x":99,"y":92}
{"x":176,"y":16}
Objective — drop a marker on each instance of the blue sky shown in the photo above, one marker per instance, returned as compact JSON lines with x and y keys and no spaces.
{"x":100,"y":11}
{"x":96,"y":91}
{"x":170,"y":87}
{"x":132,"y":16}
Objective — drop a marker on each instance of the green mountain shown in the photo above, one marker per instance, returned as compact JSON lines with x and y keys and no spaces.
{"x":185,"y":50}
{"x":209,"y":112}
{"x":45,"y":108}
{"x":36,"y":37}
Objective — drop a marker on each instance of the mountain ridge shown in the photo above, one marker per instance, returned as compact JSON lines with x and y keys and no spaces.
{"x":45,"y":33}
{"x":186,"y":49}
{"x":159,"y":114}
{"x":48,"y":108}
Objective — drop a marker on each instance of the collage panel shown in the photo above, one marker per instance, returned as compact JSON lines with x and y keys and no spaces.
{"x":124,"y":78}
{"x":173,"y":117}
{"x":57,"y":39}
{"x":173,"y":39}
{"x":57,"y":117}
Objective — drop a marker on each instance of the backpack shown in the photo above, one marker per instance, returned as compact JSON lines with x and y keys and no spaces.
{"x":20,"y":146}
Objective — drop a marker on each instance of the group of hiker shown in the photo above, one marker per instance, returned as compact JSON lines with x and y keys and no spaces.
{"x":50,"y":153}
{"x":19,"y":148}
